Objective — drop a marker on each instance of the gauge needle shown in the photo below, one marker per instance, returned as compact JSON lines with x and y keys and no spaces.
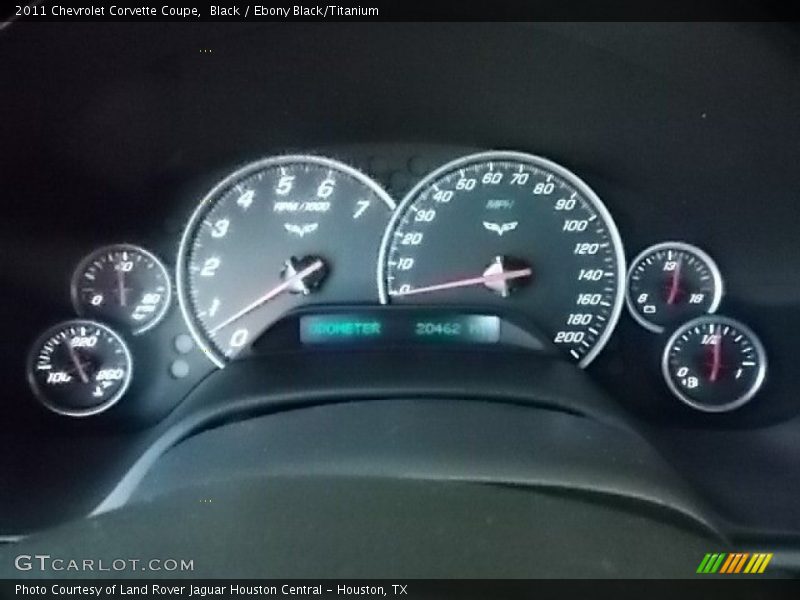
{"x":282,"y":287}
{"x":716,"y":356}
{"x":673,"y":288}
{"x":483,"y":279}
{"x":123,"y":300}
{"x":78,"y":365}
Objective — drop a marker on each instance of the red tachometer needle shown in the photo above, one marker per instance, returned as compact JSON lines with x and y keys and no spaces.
{"x":483,"y":279}
{"x":674,"y":285}
{"x":716,"y":356}
{"x":282,"y":287}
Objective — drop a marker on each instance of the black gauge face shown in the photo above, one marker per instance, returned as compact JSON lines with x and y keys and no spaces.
{"x":79,"y":368}
{"x":516,"y":233}
{"x":714,"y":364}
{"x":124,"y":285}
{"x":277,"y":234}
{"x":670,"y":283}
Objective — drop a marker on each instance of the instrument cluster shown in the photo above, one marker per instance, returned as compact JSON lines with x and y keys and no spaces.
{"x":495,"y":249}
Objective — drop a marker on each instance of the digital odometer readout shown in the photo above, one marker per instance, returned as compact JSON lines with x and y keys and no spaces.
{"x":345,"y":329}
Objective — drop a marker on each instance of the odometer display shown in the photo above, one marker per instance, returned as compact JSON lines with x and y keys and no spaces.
{"x":514,"y":232}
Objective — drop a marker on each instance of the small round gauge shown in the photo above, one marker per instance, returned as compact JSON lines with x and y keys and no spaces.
{"x":277,"y":234}
{"x":516,"y":233}
{"x":714,"y":364}
{"x":124,"y":285}
{"x":79,"y":368}
{"x":670,"y":283}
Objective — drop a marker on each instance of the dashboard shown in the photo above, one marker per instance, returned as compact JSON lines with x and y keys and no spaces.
{"x":494,"y":247}
{"x":367,"y":210}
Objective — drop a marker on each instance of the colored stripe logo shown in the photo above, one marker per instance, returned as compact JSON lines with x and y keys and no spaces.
{"x":734,"y":563}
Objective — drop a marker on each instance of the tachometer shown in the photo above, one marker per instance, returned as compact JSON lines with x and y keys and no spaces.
{"x":512,"y":231}
{"x":275,"y":234}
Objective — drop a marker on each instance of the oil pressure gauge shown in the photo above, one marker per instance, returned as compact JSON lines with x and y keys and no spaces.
{"x":714,"y":364}
{"x":124,"y":285}
{"x":670,"y":283}
{"x":79,"y":368}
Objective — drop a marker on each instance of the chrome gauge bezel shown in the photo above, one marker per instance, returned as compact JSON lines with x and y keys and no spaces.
{"x":89,"y":258}
{"x":41,"y":396}
{"x":181,"y":282}
{"x":719,"y":285}
{"x":735,"y":403}
{"x":543,"y":163}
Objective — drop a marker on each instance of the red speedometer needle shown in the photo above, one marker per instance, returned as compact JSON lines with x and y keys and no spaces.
{"x":286,"y":284}
{"x":716,"y":356}
{"x":673,"y":288}
{"x":482,"y":280}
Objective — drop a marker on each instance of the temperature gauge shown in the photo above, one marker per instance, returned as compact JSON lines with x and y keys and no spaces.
{"x":122,"y":284}
{"x":714,"y":364}
{"x":670,"y":283}
{"x":79,"y":368}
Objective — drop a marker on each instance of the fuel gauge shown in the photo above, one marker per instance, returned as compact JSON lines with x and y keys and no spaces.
{"x":714,"y":364}
{"x":670,"y":283}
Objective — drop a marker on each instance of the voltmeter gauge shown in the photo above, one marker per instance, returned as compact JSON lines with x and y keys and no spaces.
{"x":124,"y":285}
{"x":670,"y":283}
{"x":79,"y":368}
{"x":714,"y":364}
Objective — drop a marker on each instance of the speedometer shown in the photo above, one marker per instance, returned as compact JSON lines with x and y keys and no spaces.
{"x":514,"y":232}
{"x":276,"y":234}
